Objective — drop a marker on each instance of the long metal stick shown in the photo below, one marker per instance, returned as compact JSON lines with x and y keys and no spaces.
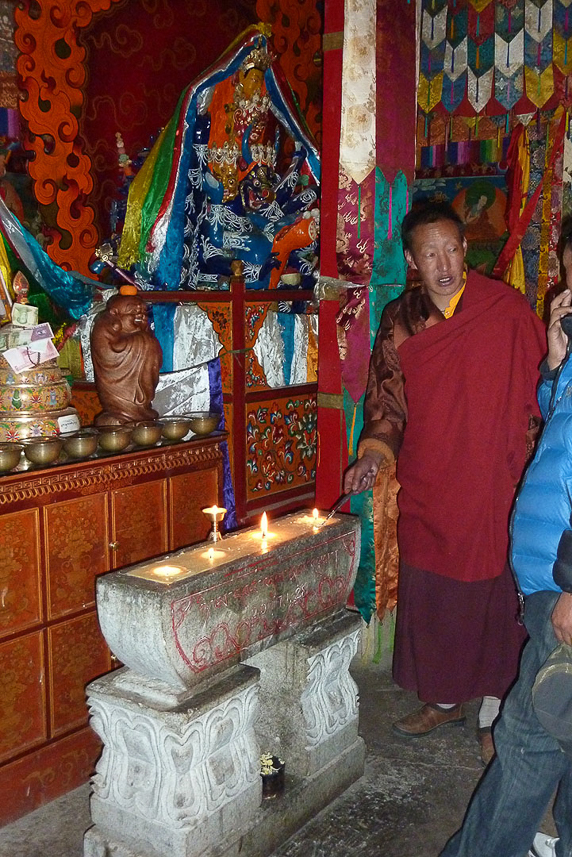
{"x":337,"y":505}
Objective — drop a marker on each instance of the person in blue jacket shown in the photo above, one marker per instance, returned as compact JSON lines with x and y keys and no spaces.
{"x":515,"y":791}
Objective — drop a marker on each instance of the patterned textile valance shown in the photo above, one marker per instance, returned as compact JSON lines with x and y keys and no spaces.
{"x":494,"y":56}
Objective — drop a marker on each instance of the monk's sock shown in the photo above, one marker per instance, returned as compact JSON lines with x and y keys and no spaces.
{"x":489,"y":711}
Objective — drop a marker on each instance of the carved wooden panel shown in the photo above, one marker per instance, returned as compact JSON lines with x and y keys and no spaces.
{"x":188,"y":494}
{"x":76,"y":539}
{"x":52,"y":72}
{"x":139,"y":522}
{"x":22,"y":697}
{"x":281,"y":440}
{"x":77,"y":654}
{"x":20,"y":602}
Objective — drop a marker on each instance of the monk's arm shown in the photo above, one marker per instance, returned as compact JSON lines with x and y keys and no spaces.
{"x":385,"y":412}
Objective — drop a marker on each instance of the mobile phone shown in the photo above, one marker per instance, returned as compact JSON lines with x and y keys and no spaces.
{"x":566,"y":324}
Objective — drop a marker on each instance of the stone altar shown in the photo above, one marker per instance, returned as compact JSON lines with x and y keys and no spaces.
{"x":228,"y":652}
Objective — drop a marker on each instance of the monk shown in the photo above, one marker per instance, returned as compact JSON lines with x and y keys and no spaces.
{"x":452,"y":395}
{"x":126,"y":361}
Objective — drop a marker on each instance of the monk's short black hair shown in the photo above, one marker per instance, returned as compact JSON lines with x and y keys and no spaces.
{"x":428,"y":212}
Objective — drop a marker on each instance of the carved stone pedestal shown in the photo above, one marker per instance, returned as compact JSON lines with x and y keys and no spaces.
{"x":173,"y":781}
{"x":308,"y":699}
{"x":227,"y":656}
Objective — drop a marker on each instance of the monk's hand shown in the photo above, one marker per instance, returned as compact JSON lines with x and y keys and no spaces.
{"x":562,"y":618}
{"x":362,"y":474}
{"x":557,"y":339}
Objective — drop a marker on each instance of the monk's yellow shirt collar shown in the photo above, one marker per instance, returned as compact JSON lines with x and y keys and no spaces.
{"x":450,"y":309}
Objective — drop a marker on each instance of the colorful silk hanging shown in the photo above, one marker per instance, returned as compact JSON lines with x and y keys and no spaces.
{"x":483,"y":56}
{"x":517,"y":179}
{"x":72,"y":292}
{"x":376,"y":582}
{"x":517,"y":234}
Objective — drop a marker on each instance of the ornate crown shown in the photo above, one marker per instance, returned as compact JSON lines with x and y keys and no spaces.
{"x":225,"y":154}
{"x":257,"y":58}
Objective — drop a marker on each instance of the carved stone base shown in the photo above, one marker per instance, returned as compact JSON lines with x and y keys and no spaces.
{"x":174,"y":781}
{"x":274,"y":821}
{"x":308,"y":711}
{"x":181,"y":777}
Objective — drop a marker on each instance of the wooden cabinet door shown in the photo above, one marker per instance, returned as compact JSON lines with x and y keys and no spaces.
{"x":22,"y":695}
{"x":138,"y":522}
{"x":20,"y":580}
{"x":77,"y":654}
{"x":77,"y":549}
{"x":188,"y":494}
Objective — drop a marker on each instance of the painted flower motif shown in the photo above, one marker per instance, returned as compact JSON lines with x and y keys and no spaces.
{"x":277,"y":434}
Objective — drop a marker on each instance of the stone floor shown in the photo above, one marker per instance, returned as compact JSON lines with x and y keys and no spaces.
{"x":410,"y":800}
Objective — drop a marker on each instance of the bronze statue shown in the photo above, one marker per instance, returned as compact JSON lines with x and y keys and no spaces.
{"x":126,"y":360}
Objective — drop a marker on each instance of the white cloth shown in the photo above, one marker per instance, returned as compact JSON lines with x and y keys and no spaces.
{"x":195,"y":339}
{"x":269,"y":349}
{"x":183,"y":391}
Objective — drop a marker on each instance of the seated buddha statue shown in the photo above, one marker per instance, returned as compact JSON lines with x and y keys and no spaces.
{"x":245,"y":176}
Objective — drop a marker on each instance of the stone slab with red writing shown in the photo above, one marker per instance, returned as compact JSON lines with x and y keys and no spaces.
{"x":185,"y":617}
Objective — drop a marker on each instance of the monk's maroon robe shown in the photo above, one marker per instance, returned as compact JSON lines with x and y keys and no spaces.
{"x":454,"y":399}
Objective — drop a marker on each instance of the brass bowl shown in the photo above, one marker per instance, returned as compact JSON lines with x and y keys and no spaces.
{"x":114,"y":438}
{"x":10,"y":454}
{"x":203,"y":423}
{"x":146,"y":433}
{"x":80,"y":444}
{"x":43,"y":450}
{"x":175,"y":428}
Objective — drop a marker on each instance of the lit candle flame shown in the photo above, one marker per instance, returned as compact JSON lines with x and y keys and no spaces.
{"x":211,"y":554}
{"x":168,"y":570}
{"x":264,"y":525}
{"x":315,"y":515}
{"x":213,"y":511}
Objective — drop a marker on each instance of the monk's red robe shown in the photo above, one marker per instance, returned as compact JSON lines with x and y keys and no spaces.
{"x":453,"y":399}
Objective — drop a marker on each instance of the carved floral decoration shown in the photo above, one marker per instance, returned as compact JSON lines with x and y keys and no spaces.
{"x":52,"y":75}
{"x":281,"y":445}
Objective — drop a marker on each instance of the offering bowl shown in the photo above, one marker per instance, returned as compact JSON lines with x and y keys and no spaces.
{"x":175,"y":428}
{"x":10,"y":454}
{"x":43,"y":450}
{"x":80,"y":444}
{"x":203,"y":423}
{"x":114,"y":438}
{"x":146,"y":433}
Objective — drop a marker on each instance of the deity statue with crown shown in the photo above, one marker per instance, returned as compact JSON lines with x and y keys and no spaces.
{"x":233,"y":179}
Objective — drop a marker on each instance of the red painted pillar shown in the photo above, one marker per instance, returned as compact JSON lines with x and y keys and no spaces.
{"x":332,"y":455}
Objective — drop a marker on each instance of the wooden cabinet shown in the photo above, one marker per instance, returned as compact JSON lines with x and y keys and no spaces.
{"x":60,"y":528}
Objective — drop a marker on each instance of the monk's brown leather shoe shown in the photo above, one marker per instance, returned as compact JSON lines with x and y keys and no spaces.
{"x":485,"y":736}
{"x":428,"y":718}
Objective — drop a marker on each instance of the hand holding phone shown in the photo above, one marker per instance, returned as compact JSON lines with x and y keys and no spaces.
{"x":559,"y":331}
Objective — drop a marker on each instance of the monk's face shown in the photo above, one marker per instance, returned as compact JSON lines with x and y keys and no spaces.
{"x":438,"y":254}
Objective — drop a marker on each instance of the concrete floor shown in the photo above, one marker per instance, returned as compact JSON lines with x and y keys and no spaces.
{"x":411,"y":799}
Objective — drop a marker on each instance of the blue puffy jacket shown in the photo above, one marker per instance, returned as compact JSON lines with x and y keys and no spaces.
{"x":544,"y":503}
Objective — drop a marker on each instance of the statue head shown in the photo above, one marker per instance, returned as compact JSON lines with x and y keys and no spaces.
{"x":128,"y":314}
{"x":251,"y":81}
{"x":257,"y":188}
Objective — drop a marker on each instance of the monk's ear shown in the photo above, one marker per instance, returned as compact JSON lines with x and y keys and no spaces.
{"x":465,"y":246}
{"x":410,"y":260}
